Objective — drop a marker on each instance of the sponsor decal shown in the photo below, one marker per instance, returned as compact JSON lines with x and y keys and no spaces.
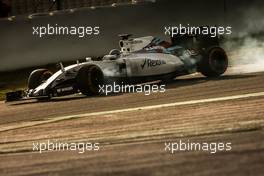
{"x":65,"y":89}
{"x":152,"y":63}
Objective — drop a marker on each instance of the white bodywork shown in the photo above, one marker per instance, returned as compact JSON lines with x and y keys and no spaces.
{"x":138,"y":58}
{"x":151,"y":64}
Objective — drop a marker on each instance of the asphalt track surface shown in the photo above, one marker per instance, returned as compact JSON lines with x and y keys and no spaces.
{"x":132,"y":130}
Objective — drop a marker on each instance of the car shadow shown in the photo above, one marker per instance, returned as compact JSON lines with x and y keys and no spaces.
{"x":176,"y":83}
{"x":181,"y":82}
{"x":58,"y":99}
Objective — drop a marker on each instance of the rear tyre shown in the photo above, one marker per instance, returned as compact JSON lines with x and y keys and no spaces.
{"x":37,"y":77}
{"x":214,"y":62}
{"x":88,"y":80}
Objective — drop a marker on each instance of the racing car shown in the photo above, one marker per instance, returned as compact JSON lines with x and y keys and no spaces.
{"x":138,"y":60}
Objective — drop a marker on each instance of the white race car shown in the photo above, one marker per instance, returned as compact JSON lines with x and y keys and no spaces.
{"x":139,"y":60}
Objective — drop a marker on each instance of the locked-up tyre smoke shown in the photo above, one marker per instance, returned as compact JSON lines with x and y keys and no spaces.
{"x":214,"y":62}
{"x":37,"y":77}
{"x":89,"y":78}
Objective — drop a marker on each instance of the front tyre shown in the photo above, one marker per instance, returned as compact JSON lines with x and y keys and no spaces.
{"x":214,"y":62}
{"x":37,"y":77}
{"x":88,"y":79}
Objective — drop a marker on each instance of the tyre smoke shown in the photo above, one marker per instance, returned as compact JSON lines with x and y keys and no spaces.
{"x":245,"y":55}
{"x":246,"y":49}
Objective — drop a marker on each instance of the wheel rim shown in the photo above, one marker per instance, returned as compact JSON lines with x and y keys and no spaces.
{"x":218,"y":61}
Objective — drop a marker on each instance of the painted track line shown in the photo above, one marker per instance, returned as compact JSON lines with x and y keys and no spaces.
{"x":190,"y":102}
